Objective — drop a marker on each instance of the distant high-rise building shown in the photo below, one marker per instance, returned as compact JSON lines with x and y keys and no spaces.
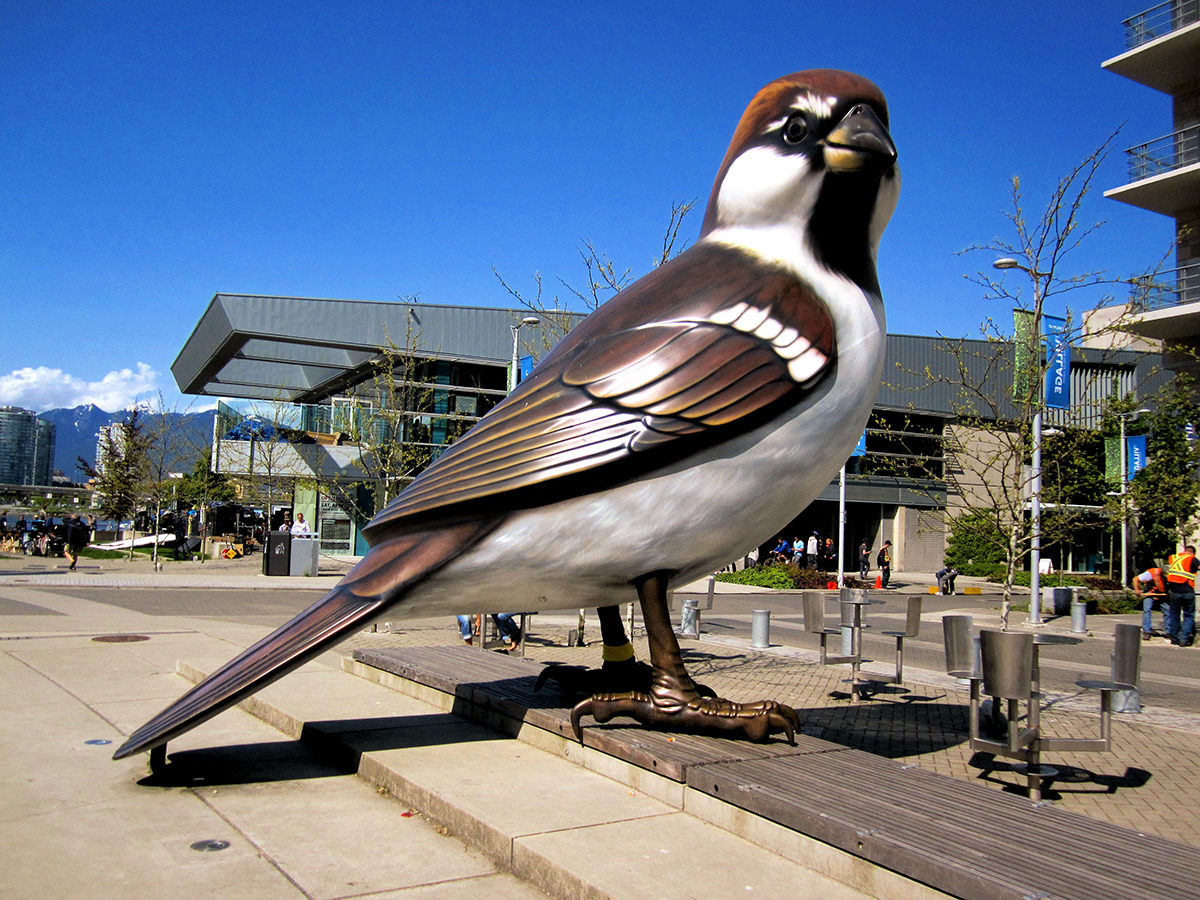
{"x":26,"y":447}
{"x":43,"y":452}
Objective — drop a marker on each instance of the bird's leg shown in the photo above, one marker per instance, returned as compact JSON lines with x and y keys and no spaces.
{"x":620,"y":672}
{"x":672,"y":700}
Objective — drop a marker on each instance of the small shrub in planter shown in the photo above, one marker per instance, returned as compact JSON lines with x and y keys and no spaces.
{"x":776,"y":577}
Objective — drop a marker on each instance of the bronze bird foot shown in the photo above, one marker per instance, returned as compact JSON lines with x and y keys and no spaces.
{"x":675,"y":708}
{"x":672,"y":701}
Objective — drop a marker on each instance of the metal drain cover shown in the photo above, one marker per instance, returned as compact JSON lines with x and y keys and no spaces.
{"x":120,"y":638}
{"x":209,"y":846}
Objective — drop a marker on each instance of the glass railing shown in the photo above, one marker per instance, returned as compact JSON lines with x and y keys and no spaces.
{"x":1168,"y":288}
{"x":1164,"y":154}
{"x":1153,"y":23}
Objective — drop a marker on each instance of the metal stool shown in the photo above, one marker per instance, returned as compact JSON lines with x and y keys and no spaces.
{"x":962,"y":660}
{"x":1126,"y":660}
{"x":912,"y":627}
{"x":1006,"y":673}
{"x":850,"y":603}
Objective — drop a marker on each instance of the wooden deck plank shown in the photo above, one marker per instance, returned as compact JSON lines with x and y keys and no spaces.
{"x":964,"y":839}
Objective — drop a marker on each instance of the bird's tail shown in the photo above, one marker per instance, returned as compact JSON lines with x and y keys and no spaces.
{"x":379,"y":580}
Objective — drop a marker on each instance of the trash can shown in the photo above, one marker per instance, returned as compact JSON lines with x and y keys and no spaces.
{"x":278,"y":558}
{"x":304,"y":554}
{"x":1062,"y":600}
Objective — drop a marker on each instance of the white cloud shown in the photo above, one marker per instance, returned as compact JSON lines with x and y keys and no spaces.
{"x":43,"y":388}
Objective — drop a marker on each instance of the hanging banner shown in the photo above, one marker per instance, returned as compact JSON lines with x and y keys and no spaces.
{"x":1135,"y":455}
{"x":860,"y":449}
{"x":1112,"y":458}
{"x":1023,"y":357}
{"x":1058,"y":366}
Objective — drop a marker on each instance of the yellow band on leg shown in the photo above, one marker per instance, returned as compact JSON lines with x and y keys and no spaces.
{"x":618,"y":654}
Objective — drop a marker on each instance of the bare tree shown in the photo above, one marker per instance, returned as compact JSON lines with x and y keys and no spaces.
{"x":394,"y":443}
{"x":995,"y":386}
{"x":605,"y":279}
{"x":122,"y":471}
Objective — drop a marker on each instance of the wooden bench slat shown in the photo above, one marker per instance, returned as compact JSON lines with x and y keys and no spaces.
{"x":958,"y":837}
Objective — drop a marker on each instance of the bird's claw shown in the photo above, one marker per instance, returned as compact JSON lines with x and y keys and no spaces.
{"x":687,"y":711}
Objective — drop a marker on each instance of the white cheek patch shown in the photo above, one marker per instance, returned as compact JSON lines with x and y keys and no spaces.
{"x":763,"y":186}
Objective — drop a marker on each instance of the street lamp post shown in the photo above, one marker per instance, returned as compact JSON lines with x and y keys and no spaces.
{"x":1123,"y":494}
{"x":512,"y":375}
{"x":1035,"y":500}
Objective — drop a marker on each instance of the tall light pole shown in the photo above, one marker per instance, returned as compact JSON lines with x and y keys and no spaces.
{"x":516,"y":362}
{"x":1035,"y":501}
{"x":1124,"y":491}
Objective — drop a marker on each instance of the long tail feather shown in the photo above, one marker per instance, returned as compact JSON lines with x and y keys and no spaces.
{"x":376,"y":583}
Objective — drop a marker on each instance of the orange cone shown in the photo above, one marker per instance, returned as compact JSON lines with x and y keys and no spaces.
{"x":879,"y":581}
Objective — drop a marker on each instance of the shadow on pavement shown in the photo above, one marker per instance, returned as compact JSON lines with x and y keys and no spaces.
{"x":241,"y":764}
{"x":1069,"y":780}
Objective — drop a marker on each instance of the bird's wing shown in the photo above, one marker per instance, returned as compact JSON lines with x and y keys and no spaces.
{"x":728,"y":348}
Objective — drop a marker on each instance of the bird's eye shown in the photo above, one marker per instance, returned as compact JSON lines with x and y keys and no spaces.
{"x":795,"y":130}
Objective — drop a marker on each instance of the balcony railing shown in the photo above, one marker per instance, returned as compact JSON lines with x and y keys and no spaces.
{"x":1164,"y":154}
{"x":1159,"y":20}
{"x":1169,"y":288}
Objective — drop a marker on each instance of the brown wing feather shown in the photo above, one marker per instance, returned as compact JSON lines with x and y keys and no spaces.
{"x":619,"y":385}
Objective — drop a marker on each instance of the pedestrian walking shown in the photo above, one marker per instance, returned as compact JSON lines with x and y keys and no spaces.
{"x":864,"y":560}
{"x":884,"y":561}
{"x":76,"y":538}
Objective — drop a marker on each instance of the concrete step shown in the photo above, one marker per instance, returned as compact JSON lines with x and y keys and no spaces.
{"x":563,"y":827}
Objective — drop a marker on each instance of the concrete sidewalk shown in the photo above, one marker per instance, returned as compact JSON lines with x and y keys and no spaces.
{"x":285,"y":823}
{"x":295,"y":824}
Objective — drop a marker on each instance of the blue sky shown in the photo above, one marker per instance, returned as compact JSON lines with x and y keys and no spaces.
{"x":154,"y":154}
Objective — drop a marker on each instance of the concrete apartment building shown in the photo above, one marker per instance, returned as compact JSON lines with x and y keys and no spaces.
{"x":1163,"y":53}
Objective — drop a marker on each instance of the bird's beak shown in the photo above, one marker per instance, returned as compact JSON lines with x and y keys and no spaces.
{"x":860,"y":143}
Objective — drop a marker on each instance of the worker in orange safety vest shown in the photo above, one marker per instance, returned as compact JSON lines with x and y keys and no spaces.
{"x":1181,"y":597}
{"x":1151,"y":585}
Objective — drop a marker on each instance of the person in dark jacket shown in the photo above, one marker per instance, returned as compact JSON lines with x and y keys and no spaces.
{"x":76,"y":538}
{"x":884,"y":561}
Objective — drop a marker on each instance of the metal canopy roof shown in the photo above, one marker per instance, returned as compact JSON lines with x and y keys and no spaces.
{"x":303,"y":350}
{"x":295,"y":349}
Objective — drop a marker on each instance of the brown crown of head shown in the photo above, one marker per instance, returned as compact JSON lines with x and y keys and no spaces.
{"x":775,"y":99}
